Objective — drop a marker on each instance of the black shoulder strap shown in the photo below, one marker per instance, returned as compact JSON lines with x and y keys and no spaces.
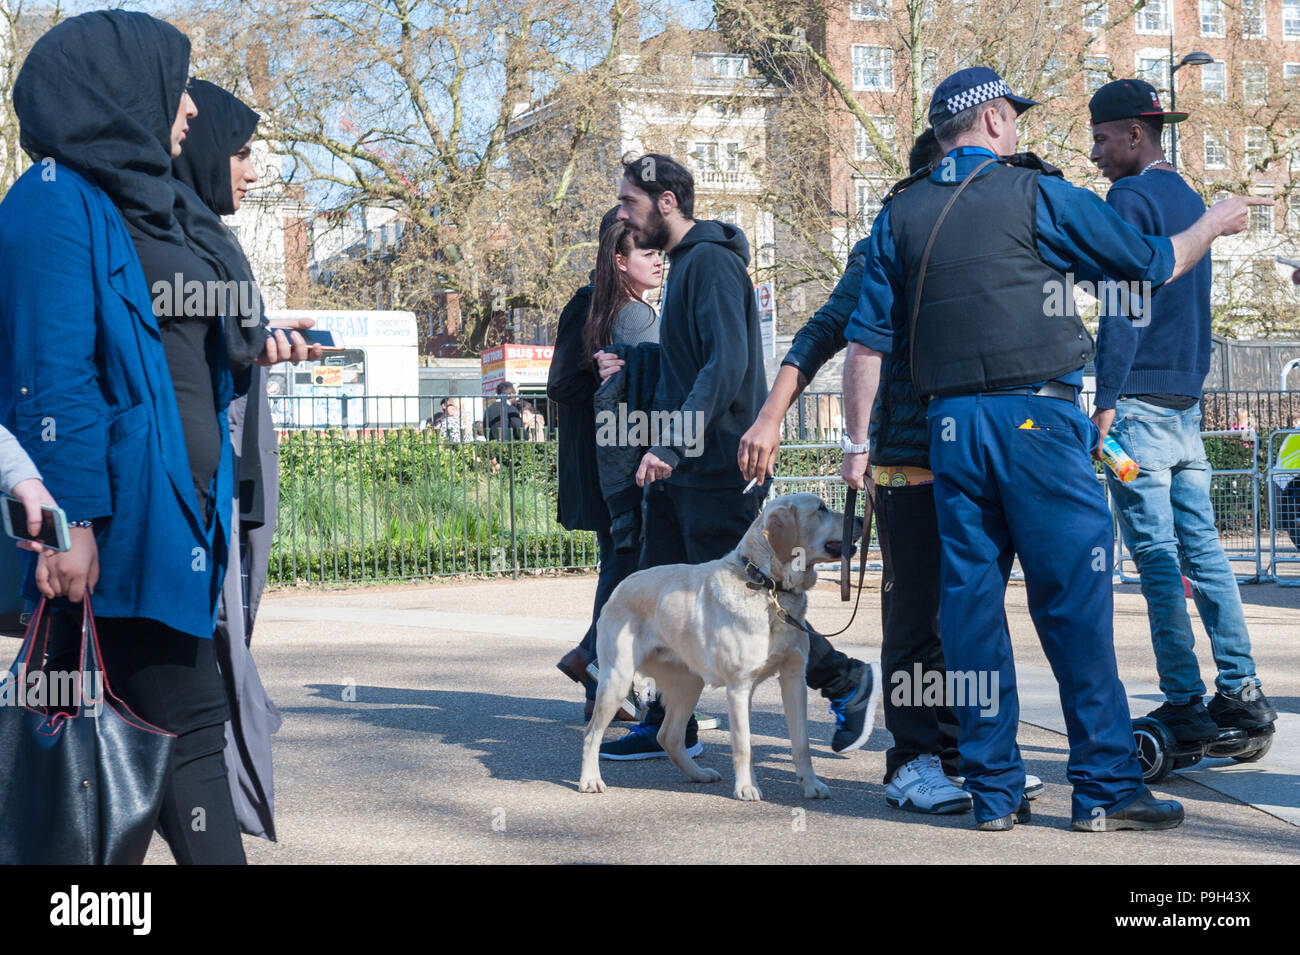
{"x":1031,"y":161}
{"x":904,"y":183}
{"x":925,"y":261}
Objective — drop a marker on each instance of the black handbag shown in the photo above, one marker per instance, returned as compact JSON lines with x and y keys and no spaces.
{"x":80,"y":785}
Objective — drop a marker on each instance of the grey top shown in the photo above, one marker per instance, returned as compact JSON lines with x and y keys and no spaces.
{"x":16,"y":466}
{"x":636,"y":322}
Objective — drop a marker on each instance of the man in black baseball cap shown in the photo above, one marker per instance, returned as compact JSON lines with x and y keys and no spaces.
{"x":1127,"y":121}
{"x":1149,"y":378}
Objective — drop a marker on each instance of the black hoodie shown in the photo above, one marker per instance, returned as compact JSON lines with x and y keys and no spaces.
{"x":711,"y":356}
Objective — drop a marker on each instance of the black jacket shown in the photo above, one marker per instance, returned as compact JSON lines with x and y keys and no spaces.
{"x":633,"y":387}
{"x":710,"y":358}
{"x":571,"y":384}
{"x":898,"y":431}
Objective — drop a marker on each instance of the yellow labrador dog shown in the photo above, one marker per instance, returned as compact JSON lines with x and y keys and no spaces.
{"x":720,"y":623}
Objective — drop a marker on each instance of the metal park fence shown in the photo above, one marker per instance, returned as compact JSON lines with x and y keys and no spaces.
{"x":379,"y":488}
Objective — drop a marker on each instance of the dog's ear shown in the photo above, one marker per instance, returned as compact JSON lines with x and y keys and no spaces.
{"x":781,"y":532}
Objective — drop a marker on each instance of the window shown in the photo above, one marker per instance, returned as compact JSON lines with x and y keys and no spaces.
{"x":1261,"y":219}
{"x":1252,"y":18}
{"x":1094,"y":14}
{"x":1211,"y":17}
{"x":1216,"y":154}
{"x":1154,"y":17}
{"x":1220,"y":279}
{"x":868,"y":194}
{"x":1054,"y":70}
{"x":930,"y":75}
{"x":1291,"y":19}
{"x":1214,"y":80}
{"x":1096,"y":73}
{"x":1293,"y":221}
{"x":731,"y":67}
{"x":868,"y":9}
{"x":873,"y":67}
{"x":862,"y":148}
{"x":717,"y":157}
{"x":1256,"y":147}
{"x":1254,"y":83}
{"x":1291,"y":77}
{"x":1154,"y":68}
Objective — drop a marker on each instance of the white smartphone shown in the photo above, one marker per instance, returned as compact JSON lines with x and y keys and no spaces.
{"x":1294,"y":263}
{"x":54,"y":523}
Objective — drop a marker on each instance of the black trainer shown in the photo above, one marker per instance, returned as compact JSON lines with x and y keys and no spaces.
{"x":1190,"y":722}
{"x":1012,"y":819}
{"x":1246,"y":709}
{"x":641,"y":743}
{"x":1146,"y":812}
{"x":855,"y":712}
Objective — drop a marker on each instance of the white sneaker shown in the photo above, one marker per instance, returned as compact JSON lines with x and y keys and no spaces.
{"x":1033,"y":785}
{"x":921,"y":786}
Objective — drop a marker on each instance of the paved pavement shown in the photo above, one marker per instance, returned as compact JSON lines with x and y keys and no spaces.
{"x":428,"y":723}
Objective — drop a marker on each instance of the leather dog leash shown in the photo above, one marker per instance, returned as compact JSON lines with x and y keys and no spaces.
{"x":757,"y":580}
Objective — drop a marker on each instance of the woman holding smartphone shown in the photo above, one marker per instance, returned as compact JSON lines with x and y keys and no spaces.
{"x":214,"y":173}
{"x":119,"y":400}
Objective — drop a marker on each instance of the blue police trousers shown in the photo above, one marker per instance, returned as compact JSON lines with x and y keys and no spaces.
{"x":1002,"y":490}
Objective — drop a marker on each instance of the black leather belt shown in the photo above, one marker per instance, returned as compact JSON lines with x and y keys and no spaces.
{"x":1049,"y":389}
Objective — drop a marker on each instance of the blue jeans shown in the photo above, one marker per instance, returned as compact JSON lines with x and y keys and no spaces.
{"x":1167,"y":521}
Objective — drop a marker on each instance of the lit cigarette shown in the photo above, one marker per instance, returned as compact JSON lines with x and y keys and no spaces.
{"x":749,"y":487}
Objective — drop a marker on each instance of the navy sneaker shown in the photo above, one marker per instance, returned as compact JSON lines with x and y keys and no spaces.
{"x":855,"y":713}
{"x":640,"y":743}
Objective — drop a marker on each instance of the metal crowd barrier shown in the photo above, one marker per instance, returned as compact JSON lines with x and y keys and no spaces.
{"x":1283,"y":511}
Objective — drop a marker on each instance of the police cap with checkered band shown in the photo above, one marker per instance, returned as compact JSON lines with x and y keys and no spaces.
{"x":971,"y":87}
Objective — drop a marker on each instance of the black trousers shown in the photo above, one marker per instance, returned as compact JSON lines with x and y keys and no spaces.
{"x":171,"y":680}
{"x":686,"y":525}
{"x":615,"y":566}
{"x":909,"y":543}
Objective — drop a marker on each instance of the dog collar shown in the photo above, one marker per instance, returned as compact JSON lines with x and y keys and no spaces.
{"x":757,"y":580}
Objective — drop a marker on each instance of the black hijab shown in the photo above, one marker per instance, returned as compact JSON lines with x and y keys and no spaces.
{"x":98,"y":93}
{"x":203,"y":194}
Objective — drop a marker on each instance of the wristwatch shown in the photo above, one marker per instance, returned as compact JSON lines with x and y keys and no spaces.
{"x":848,"y":447}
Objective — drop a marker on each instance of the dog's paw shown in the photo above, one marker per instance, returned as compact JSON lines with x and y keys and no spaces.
{"x":816,"y":789}
{"x":708,"y":775}
{"x":748,"y":792}
{"x":592,"y":784}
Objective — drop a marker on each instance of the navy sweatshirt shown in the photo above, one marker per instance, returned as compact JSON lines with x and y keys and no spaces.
{"x":710,"y":357}
{"x":1171,"y":354}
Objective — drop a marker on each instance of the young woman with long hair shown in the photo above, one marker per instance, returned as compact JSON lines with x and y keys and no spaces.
{"x":617,"y":314}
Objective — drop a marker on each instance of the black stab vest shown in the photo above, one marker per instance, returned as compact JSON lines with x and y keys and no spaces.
{"x":987,"y":319}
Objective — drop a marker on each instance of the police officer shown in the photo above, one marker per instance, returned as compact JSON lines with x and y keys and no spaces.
{"x":970,"y":267}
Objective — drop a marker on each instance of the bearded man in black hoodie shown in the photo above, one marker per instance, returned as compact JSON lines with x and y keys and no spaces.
{"x":711,"y":387}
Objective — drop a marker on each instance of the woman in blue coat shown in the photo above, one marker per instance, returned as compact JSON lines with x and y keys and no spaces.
{"x":120,"y":400}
